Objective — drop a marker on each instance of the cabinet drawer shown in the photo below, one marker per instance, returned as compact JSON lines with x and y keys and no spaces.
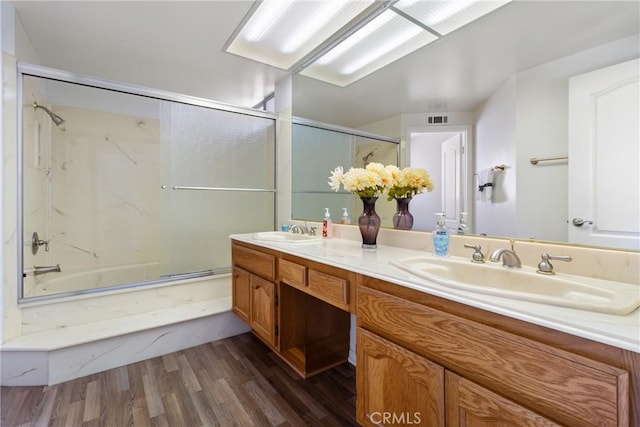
{"x":568,"y":388}
{"x":292,"y":274}
{"x":256,"y":262}
{"x":331,"y":289}
{"x":468,"y":404}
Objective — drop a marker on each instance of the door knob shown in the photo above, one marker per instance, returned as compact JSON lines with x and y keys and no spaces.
{"x":579,"y":222}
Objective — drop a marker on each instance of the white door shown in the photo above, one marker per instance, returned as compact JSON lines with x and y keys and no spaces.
{"x":604,"y":156}
{"x":452,"y":181}
{"x":444,"y":152}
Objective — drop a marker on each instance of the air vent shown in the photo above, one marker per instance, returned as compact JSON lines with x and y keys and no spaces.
{"x":437,"y":120}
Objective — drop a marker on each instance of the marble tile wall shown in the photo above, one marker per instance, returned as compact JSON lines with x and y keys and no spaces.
{"x":91,"y":188}
{"x":105,"y":199}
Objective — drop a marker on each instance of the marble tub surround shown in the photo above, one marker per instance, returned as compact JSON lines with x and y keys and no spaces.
{"x":84,"y":196}
{"x":79,"y":311}
{"x":112,"y":344}
{"x":344,"y":251}
{"x":72,"y":337}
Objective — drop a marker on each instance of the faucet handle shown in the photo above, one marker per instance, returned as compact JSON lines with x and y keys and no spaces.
{"x":545,"y":266}
{"x":312,"y":231}
{"x":477,"y":256}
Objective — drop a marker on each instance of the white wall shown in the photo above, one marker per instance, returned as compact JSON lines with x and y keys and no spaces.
{"x":425,"y":152}
{"x":496,"y":145}
{"x":527,"y":117}
{"x":3,"y":40}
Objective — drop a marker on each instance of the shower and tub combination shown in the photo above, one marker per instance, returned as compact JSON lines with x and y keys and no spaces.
{"x":125,"y":186}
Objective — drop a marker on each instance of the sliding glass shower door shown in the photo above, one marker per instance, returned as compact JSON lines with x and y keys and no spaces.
{"x":131,"y":186}
{"x":218,"y":178}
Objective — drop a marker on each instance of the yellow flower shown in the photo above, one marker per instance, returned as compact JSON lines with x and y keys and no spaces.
{"x":408,"y":182}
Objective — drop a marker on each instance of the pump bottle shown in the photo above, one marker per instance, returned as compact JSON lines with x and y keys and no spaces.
{"x":345,"y":217}
{"x":326,"y":224}
{"x":440,"y":237}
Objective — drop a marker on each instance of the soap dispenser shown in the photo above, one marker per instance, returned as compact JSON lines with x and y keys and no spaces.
{"x":440,"y":237}
{"x":345,"y":217}
{"x":326,"y":224}
{"x":463,"y":228}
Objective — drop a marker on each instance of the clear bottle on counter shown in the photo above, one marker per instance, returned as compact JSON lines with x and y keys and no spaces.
{"x":345,"y":217}
{"x":440,"y":237}
{"x":326,"y":224}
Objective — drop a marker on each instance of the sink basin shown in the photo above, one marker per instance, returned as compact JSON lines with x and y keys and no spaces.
{"x":525,"y":284}
{"x":281,"y":236}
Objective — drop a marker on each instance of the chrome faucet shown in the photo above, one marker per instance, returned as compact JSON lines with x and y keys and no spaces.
{"x":478,"y":256}
{"x":509,"y":257}
{"x":545,"y":267}
{"x":302,"y":229}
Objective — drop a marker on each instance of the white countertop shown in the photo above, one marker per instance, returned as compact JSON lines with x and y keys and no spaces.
{"x":618,"y":331}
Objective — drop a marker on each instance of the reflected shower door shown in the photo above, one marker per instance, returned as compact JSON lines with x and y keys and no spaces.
{"x":218,"y":170}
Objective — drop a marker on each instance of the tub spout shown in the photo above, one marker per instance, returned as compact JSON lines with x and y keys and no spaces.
{"x":43,"y":269}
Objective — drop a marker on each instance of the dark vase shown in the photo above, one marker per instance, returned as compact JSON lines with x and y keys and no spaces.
{"x":403,"y":219}
{"x":369,"y":222}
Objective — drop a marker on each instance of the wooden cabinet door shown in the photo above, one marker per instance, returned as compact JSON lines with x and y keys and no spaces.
{"x":471,"y":405}
{"x":263,"y":312}
{"x":396,"y":386}
{"x":241,"y":295}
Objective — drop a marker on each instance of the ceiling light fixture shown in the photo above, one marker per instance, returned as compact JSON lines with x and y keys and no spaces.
{"x":445,"y":16}
{"x":342,"y":41}
{"x":280,"y":33}
{"x":385,"y":39}
{"x":303,"y":33}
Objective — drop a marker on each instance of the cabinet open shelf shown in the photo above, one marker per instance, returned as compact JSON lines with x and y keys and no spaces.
{"x":314,"y":335}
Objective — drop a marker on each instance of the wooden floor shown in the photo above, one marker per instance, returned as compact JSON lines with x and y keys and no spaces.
{"x":237,"y":381}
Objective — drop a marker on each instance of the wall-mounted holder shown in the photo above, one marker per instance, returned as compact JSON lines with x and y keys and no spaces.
{"x":36,"y":242}
{"x":535,"y":160}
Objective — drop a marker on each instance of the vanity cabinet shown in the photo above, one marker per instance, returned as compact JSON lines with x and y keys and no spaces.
{"x":395,"y":385}
{"x":428,"y":359}
{"x":254,"y":292}
{"x":298,"y":307}
{"x":263,"y":309}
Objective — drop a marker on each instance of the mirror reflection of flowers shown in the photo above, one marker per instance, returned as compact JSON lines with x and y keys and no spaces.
{"x":371,"y":181}
{"x":408,"y":182}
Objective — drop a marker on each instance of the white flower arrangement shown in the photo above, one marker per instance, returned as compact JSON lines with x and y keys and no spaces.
{"x":371,"y":181}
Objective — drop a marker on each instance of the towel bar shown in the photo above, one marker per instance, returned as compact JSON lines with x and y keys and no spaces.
{"x":535,"y":160}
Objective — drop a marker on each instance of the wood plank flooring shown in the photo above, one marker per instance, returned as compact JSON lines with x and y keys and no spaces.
{"x":237,"y":381}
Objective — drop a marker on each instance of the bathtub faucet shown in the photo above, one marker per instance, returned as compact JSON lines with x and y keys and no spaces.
{"x":42,"y":269}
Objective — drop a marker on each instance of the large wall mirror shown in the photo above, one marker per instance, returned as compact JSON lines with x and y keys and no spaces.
{"x":126,"y":186}
{"x":510,"y":77}
{"x":316,"y":150}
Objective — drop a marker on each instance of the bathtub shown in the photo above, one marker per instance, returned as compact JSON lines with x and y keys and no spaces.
{"x":88,"y":279}
{"x":66,"y":338}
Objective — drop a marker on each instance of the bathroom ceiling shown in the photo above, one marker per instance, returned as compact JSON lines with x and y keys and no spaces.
{"x":178,"y":46}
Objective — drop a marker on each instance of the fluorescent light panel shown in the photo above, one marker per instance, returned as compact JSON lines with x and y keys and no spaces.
{"x":446,"y":16}
{"x":385,"y":39}
{"x":281,"y":32}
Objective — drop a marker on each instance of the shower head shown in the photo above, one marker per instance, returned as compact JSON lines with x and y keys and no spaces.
{"x":56,"y":118}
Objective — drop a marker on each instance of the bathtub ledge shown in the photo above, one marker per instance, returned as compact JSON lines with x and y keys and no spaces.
{"x":63,"y":354}
{"x":80,"y":334}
